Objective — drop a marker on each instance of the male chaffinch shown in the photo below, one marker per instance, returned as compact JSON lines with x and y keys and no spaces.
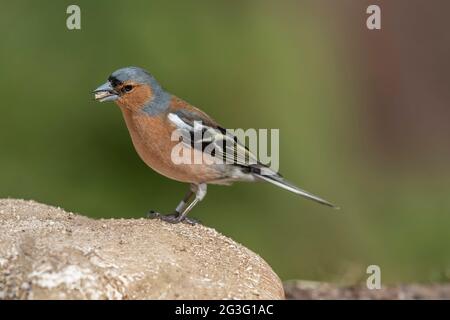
{"x":152,"y":114}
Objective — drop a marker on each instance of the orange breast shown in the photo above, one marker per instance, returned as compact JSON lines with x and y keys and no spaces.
{"x":151,"y":138}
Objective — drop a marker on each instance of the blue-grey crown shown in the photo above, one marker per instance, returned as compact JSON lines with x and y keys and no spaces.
{"x":161,"y":98}
{"x":135,"y":74}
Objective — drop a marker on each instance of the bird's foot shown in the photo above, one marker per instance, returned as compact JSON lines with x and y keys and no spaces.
{"x":171,"y":218}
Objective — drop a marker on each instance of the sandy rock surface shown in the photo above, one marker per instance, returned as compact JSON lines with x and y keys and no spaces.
{"x":310,"y":290}
{"x":47,"y":253}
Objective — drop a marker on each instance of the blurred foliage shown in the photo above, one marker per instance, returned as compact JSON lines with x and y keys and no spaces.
{"x":248,"y":64}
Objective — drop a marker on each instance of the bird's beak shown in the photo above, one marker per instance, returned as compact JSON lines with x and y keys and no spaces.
{"x":105,"y":93}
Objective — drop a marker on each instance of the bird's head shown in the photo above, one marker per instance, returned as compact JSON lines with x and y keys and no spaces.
{"x":131,"y":87}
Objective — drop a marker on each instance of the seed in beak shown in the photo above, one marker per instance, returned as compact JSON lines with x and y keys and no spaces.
{"x":101,"y":94}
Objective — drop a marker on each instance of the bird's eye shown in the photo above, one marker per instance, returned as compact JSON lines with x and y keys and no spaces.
{"x":127,"y":88}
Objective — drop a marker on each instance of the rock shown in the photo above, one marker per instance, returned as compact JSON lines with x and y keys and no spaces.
{"x":47,"y":253}
{"x":310,"y":290}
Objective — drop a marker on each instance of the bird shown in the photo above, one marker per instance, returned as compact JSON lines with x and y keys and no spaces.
{"x":152,"y":115}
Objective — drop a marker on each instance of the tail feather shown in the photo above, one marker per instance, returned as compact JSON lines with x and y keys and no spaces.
{"x":280,"y":182}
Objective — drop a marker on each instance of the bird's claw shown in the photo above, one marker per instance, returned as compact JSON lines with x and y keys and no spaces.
{"x":173,"y":218}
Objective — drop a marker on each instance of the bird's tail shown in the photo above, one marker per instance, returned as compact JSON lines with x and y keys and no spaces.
{"x":279,"y":181}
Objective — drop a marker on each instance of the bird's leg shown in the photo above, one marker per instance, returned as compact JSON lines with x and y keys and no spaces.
{"x":200,"y":193}
{"x":183,"y":203}
{"x":183,"y":207}
{"x":172,"y":216}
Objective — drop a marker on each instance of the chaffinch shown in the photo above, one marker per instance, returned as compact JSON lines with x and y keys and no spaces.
{"x":152,"y":114}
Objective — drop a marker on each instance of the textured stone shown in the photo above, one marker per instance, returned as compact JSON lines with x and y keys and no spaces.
{"x":47,"y":253}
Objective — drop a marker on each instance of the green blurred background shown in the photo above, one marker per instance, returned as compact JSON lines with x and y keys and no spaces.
{"x":363,"y":118}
